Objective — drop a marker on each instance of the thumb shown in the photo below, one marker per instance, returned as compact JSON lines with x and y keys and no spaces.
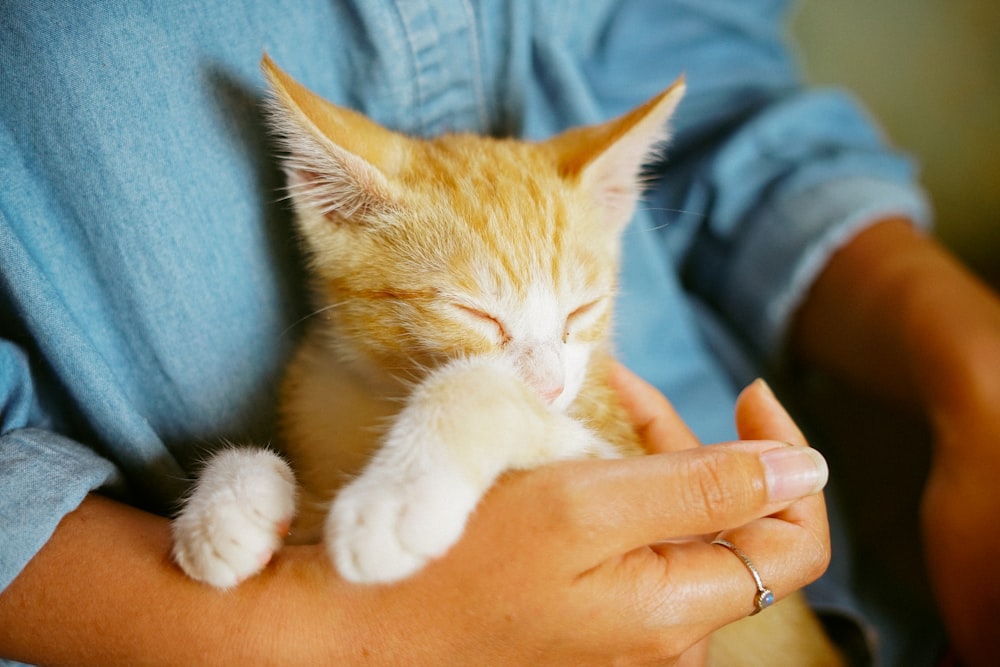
{"x":612,"y":507}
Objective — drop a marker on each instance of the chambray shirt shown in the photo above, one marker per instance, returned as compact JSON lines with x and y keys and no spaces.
{"x":149,"y":289}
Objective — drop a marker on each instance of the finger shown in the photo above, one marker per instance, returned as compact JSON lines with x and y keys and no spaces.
{"x":715,"y":584}
{"x":653,"y":417}
{"x":693,"y":588}
{"x":760,"y":416}
{"x":606,"y":508}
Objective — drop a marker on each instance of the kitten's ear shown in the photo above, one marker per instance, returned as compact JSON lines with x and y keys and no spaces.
{"x":338,"y":161}
{"x":607,"y":159}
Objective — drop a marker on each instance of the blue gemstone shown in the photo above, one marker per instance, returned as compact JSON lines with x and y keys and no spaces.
{"x":765,"y":599}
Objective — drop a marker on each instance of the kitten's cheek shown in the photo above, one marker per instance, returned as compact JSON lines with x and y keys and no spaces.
{"x":576,"y":359}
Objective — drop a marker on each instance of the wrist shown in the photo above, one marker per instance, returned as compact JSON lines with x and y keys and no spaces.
{"x":294,"y":612}
{"x":298,"y":611}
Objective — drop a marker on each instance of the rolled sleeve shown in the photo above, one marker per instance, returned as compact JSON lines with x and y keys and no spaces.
{"x":783,"y":193}
{"x":786,"y":250}
{"x":43,"y":477}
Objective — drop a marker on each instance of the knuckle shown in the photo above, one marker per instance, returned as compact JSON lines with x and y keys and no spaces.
{"x":820,"y":552}
{"x":809,"y":556}
{"x":720,"y":487}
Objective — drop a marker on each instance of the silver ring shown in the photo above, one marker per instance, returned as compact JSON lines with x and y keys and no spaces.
{"x":764,"y":598}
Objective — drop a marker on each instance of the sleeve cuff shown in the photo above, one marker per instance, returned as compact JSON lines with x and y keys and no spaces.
{"x":43,"y":477}
{"x":780,"y":260}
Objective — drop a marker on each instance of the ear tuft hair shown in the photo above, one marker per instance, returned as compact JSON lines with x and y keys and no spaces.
{"x":338,"y":162}
{"x":607,"y":159}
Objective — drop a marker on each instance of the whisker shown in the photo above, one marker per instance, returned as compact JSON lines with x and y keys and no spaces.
{"x":663,"y":225}
{"x":311,"y":315}
{"x":672,"y":210}
{"x":669,"y":222}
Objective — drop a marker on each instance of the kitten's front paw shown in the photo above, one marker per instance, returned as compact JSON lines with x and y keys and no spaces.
{"x":236,"y":517}
{"x":381,"y":530}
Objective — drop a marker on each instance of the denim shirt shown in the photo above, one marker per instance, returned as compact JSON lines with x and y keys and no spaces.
{"x":149,"y":289}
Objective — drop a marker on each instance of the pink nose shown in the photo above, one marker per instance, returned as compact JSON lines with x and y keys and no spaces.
{"x":551,"y":394}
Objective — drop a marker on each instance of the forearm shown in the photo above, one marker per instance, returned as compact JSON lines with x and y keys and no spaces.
{"x":103,"y":591}
{"x":552,"y":564}
{"x":894,"y":312}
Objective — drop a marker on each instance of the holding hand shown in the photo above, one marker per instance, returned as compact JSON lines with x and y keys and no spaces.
{"x":569,"y":563}
{"x":575,"y":559}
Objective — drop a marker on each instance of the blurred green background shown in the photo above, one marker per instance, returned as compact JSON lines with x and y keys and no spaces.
{"x":930,"y":72}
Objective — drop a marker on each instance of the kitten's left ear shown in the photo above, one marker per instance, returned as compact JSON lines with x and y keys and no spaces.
{"x":339,"y":162}
{"x":607,"y":159}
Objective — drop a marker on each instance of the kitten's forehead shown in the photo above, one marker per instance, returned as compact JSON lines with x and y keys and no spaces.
{"x":505,"y":218}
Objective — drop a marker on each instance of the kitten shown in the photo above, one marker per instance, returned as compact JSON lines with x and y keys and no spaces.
{"x":464,"y":288}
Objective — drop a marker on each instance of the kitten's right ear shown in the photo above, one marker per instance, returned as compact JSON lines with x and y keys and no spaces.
{"x":338,"y":162}
{"x":606,"y":160}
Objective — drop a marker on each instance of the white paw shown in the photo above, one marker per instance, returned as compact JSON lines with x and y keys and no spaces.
{"x":235,"y":518}
{"x":382,"y":529}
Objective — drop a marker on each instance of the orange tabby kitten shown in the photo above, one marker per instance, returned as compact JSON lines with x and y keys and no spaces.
{"x":464,"y":288}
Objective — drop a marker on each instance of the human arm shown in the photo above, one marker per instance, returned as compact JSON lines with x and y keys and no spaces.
{"x":895,"y":312}
{"x":573,"y":536}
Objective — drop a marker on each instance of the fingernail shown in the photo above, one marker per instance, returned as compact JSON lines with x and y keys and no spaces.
{"x":794,"y":472}
{"x":768,"y":392}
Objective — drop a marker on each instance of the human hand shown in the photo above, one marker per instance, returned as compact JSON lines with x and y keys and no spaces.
{"x":565,"y":564}
{"x":572,"y":564}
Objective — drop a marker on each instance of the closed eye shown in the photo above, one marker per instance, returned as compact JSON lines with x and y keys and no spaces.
{"x":482,"y":318}
{"x":584,"y":317}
